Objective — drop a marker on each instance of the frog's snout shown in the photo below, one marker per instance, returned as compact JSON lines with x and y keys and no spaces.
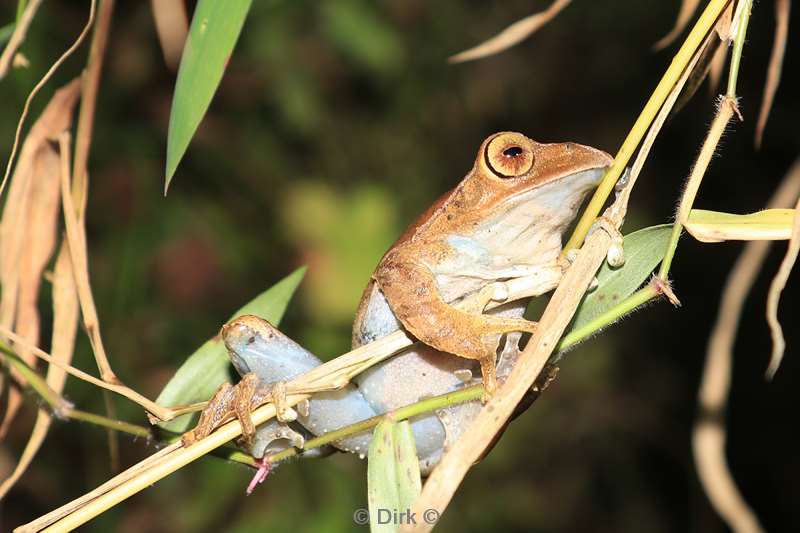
{"x":588,"y":157}
{"x":245,"y":330}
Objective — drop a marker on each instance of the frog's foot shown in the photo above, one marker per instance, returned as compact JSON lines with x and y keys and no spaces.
{"x":546,"y":377}
{"x":494,"y":292}
{"x":216,"y":412}
{"x":245,"y":390}
{"x":228,"y":403}
{"x":274,"y":437}
{"x":494,"y":327}
{"x":615,"y":255}
{"x":489,"y":374}
{"x":283,"y":412}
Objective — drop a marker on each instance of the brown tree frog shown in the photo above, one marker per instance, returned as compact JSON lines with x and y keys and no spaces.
{"x":497,"y":233}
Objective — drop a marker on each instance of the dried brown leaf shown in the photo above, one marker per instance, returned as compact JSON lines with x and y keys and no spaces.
{"x":782,"y":8}
{"x":37,"y":236}
{"x":774,"y":296}
{"x":512,"y":35}
{"x":65,"y":318}
{"x":172,"y":26}
{"x":716,"y":68}
{"x":27,"y":228}
{"x":709,"y":434}
{"x":49,"y":74}
{"x":713,"y":49}
{"x":688,"y":7}
{"x":76,"y":236}
{"x":39,"y":241}
{"x":38,"y":434}
{"x":723,"y":26}
{"x":65,"y":325}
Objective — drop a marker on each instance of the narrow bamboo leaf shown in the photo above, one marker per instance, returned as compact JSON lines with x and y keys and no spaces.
{"x":393,"y":480}
{"x":215,"y":28}
{"x":713,"y":226}
{"x":383,"y":494}
{"x":409,"y":483}
{"x":644,"y":250}
{"x":5,"y":32}
{"x":207,"y":368}
{"x":21,"y":5}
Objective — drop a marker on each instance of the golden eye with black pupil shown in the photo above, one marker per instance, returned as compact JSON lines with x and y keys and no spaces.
{"x":508,"y":156}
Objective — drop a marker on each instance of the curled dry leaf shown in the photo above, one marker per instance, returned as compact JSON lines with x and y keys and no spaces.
{"x":65,"y":323}
{"x":28,"y":226}
{"x":782,"y":8}
{"x":723,"y":30}
{"x":172,"y":26}
{"x":512,"y":35}
{"x":688,"y":7}
{"x":76,"y":236}
{"x":716,"y":68}
{"x":774,"y":296}
{"x":709,"y":434}
{"x":711,"y":60}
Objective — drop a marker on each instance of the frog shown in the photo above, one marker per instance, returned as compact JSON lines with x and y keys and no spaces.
{"x":446,"y":282}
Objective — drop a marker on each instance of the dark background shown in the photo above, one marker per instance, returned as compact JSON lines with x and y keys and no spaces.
{"x":335,"y":125}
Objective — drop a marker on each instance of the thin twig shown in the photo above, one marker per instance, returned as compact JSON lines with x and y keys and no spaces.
{"x":673,"y":73}
{"x":774,"y":296}
{"x":38,"y":87}
{"x":725,"y":110}
{"x":782,"y":8}
{"x":331,"y":375}
{"x":91,"y":82}
{"x":161,"y":412}
{"x":514,"y":34}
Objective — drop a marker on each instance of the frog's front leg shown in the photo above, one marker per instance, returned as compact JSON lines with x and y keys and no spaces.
{"x":541,"y":280}
{"x":413,"y":295}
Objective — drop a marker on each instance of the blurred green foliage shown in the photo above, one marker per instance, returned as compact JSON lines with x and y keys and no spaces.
{"x":335,"y":125}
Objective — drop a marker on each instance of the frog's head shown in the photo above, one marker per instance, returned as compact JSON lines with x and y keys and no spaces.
{"x":523,"y":194}
{"x":255,"y":345}
{"x":509,"y":165}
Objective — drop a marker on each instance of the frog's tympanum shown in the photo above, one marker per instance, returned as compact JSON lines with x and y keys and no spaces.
{"x":445,"y":281}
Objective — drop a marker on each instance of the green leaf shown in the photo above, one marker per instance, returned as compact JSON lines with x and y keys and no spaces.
{"x":207,"y":368}
{"x":714,"y":226}
{"x":216,"y":25}
{"x":5,"y":32}
{"x":21,"y":5}
{"x":644,"y":250}
{"x":393,"y":480}
{"x":409,"y":482}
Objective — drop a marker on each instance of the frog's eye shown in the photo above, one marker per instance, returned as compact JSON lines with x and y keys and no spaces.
{"x":509,"y":157}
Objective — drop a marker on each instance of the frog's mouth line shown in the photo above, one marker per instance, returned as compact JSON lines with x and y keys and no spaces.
{"x":580,"y":182}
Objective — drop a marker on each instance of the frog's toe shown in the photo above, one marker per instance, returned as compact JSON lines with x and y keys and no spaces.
{"x":274,"y":437}
{"x":615,"y":255}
